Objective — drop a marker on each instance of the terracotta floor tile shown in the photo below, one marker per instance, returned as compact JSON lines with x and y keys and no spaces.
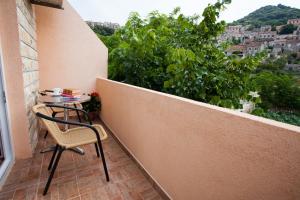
{"x":88,"y":183}
{"x":7,"y":195}
{"x":78,"y":177}
{"x":62,"y":172}
{"x":128,"y":193}
{"x":36,"y":160}
{"x":149,"y":194}
{"x":20,"y":164}
{"x":52,"y":194}
{"x":28,"y":193}
{"x":75,"y":198}
{"x":32,"y":175}
{"x":67,"y":189}
{"x":98,"y":194}
{"x":132,"y":196}
{"x":117,"y":198}
{"x":113,"y":191}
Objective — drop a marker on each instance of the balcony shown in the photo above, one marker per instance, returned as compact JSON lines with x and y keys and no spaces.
{"x":166,"y":147}
{"x":160,"y":146}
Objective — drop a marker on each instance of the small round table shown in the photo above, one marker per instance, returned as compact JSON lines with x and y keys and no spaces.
{"x":65,"y":101}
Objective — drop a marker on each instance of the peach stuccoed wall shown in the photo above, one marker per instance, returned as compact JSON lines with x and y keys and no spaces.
{"x":70,"y":54}
{"x":13,"y":79}
{"x":199,"y":151}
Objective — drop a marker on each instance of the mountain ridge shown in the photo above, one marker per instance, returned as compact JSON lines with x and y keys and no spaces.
{"x":269,"y":15}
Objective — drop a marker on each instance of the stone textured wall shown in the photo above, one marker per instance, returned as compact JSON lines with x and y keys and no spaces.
{"x":28,"y":48}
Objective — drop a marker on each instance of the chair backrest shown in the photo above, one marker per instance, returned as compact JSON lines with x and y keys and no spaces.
{"x":51,"y":126}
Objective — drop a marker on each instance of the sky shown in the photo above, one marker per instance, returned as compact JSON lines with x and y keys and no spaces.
{"x":117,"y":11}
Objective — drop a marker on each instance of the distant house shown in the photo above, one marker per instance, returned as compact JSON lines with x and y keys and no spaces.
{"x":297,"y":32}
{"x":292,"y":45}
{"x":104,"y":24}
{"x":278,"y":42}
{"x":292,"y":67}
{"x":243,"y":50}
{"x":277,"y":50}
{"x":251,"y":35}
{"x":295,"y":22}
{"x":267,"y":35}
{"x":259,"y":39}
{"x":234,"y":29}
{"x":287,"y":37}
{"x":232,"y":32}
{"x":266,"y":28}
{"x":254,"y":48}
{"x":278,"y":28}
{"x":238,"y":50}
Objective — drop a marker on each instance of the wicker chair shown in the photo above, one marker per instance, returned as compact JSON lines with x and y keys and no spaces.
{"x":74,"y":137}
{"x":56,"y":111}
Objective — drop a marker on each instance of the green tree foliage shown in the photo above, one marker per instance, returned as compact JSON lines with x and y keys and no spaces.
{"x":273,"y":64}
{"x":286,"y":117}
{"x":292,"y":58}
{"x":278,"y":90}
{"x":269,"y":15}
{"x":180,"y":55}
{"x":287,"y":29}
{"x":236,"y":41}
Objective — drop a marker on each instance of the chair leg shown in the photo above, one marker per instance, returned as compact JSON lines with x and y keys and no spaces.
{"x":97,"y":150}
{"x":60,"y":150}
{"x":53,"y":156}
{"x":103,"y":161}
{"x":77,"y":112}
{"x":46,"y":134}
{"x":54,"y":114}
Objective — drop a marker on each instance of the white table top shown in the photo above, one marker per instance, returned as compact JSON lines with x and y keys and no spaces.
{"x":63,"y":100}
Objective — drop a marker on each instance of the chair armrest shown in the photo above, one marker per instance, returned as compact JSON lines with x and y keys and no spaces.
{"x":71,"y":108}
{"x":70,"y":123}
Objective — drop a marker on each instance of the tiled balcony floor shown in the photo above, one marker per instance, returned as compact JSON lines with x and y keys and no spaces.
{"x":79,"y":177}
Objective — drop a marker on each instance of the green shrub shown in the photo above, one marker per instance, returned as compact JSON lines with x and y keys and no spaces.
{"x":277,"y":90}
{"x":287,"y":29}
{"x":286,"y":117}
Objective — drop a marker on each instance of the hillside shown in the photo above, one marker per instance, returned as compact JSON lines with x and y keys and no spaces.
{"x":269,"y":15}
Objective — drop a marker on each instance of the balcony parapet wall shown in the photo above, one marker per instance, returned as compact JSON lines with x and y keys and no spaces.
{"x":194,"y":150}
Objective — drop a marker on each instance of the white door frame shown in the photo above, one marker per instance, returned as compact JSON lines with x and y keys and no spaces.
{"x":5,"y":133}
